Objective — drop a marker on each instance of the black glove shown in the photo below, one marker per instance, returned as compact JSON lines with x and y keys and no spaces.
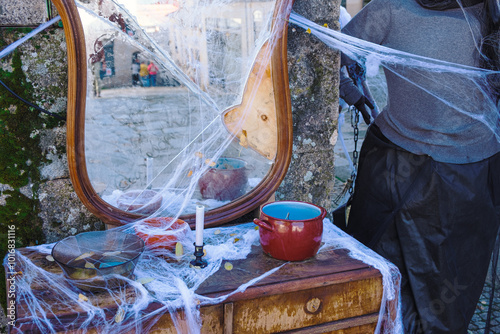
{"x":349,"y":90}
{"x":351,"y":94}
{"x":361,"y":106}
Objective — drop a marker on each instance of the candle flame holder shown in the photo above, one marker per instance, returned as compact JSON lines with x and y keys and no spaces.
{"x":198,"y":263}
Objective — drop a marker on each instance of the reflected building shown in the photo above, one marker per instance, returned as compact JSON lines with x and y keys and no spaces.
{"x":235,"y":29}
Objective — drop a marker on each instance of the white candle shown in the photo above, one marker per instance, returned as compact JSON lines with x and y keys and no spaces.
{"x":200,"y":223}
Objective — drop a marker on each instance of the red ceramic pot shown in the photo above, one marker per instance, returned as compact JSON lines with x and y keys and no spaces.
{"x":291,"y":230}
{"x":160,"y":233}
{"x":225,"y":181}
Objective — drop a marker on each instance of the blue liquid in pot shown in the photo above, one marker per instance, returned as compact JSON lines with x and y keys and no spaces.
{"x":291,"y":210}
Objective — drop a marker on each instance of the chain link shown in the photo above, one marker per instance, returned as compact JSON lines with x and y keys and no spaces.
{"x":349,"y":185}
{"x":355,"y":152}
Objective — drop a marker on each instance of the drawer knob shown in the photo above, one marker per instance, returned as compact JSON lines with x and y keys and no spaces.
{"x":313,"y":305}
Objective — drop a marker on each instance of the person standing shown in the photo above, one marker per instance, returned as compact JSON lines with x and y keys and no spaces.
{"x":144,"y":74}
{"x":427,"y":192}
{"x":153,"y":71}
{"x":136,"y":68}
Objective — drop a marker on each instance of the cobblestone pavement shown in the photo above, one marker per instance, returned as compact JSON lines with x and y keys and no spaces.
{"x":343,"y":172}
{"x":477,"y":324}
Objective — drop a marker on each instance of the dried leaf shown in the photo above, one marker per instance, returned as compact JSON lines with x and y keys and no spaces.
{"x":210,"y":162}
{"x":120,"y":315}
{"x":145,"y":280}
{"x":308,"y":30}
{"x":256,"y":228}
{"x":82,"y":298}
{"x":232,"y":234}
{"x":236,"y":240}
{"x":179,"y":249}
{"x":84,"y":256}
{"x":217,"y":232}
{"x":228,"y":266}
{"x":89,"y":265}
{"x":325,"y":25}
{"x":190,"y":173}
{"x":49,"y":258}
{"x":243,"y":138}
{"x":199,"y":154}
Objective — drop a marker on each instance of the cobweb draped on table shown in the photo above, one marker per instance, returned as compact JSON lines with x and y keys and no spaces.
{"x":164,"y":281}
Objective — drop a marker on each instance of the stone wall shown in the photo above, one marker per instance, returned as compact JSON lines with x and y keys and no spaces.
{"x":36,"y":195}
{"x":18,"y":13}
{"x":34,"y":166}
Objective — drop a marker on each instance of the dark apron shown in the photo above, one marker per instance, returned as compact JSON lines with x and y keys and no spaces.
{"x":444,"y":219}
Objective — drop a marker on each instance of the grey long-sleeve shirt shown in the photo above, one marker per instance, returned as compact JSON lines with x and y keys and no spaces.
{"x":413,"y":118}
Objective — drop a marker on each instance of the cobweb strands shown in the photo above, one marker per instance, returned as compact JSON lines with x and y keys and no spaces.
{"x":163,"y":283}
{"x":190,"y":103}
{"x":452,"y":101}
{"x":463,"y":89}
{"x":178,"y":133}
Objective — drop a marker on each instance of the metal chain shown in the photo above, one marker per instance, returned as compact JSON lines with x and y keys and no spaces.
{"x":349,"y":185}
{"x":355,"y":153}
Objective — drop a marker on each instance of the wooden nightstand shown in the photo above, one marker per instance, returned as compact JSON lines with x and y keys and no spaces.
{"x":330,"y":293}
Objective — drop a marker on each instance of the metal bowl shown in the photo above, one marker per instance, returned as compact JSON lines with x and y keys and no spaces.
{"x":87,"y":258}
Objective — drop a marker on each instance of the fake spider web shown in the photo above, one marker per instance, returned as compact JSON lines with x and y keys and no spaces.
{"x":163,"y":281}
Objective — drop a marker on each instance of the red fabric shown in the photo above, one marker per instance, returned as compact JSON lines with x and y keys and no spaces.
{"x":152,"y":69}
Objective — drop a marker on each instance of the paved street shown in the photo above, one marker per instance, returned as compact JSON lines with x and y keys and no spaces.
{"x":140,"y":137}
{"x":343,"y":172}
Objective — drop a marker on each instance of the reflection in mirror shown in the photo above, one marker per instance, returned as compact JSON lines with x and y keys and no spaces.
{"x":180,"y":103}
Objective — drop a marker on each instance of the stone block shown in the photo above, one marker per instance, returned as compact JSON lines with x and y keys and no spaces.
{"x":23,"y":13}
{"x":62,"y":212}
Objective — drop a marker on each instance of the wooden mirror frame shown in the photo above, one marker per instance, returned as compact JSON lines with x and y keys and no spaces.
{"x":75,"y":142}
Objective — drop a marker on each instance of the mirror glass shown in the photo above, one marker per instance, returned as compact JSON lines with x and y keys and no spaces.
{"x":179,"y":104}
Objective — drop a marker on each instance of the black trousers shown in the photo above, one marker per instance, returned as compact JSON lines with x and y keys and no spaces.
{"x":441,"y":238}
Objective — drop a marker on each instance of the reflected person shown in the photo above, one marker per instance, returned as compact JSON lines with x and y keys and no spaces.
{"x":136,"y":68}
{"x":144,"y":74}
{"x":427,"y":194}
{"x":153,"y":71}
{"x":96,"y":71}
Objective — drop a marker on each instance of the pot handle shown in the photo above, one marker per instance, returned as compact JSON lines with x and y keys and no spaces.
{"x":264,"y":224}
{"x":323,"y":213}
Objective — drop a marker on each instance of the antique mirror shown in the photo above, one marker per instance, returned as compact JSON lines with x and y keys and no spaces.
{"x":176,"y":103}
